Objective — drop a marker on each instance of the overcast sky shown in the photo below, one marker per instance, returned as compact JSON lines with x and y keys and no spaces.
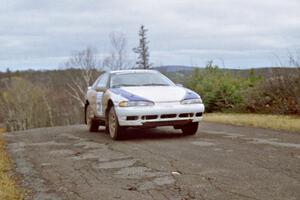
{"x":234,"y":33}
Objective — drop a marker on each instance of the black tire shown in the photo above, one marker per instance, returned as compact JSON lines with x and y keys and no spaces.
{"x":114,"y":129}
{"x":94,"y":126}
{"x":190,"y":129}
{"x":106,"y":131}
{"x":92,"y":123}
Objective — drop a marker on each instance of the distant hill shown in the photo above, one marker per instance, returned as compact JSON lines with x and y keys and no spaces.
{"x":174,"y":68}
{"x":266,"y":72}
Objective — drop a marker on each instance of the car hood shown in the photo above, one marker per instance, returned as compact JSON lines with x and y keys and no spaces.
{"x":158,"y":93}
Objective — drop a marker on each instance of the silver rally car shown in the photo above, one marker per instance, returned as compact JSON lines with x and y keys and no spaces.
{"x":140,"y":98}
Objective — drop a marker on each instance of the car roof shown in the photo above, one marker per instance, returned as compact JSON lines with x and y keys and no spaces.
{"x":128,"y":71}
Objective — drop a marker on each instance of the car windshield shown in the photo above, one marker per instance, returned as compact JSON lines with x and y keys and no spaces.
{"x":140,"y":79}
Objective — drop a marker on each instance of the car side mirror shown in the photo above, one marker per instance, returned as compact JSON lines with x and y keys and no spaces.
{"x":100,"y":89}
{"x":179,"y":85}
{"x":90,"y":87}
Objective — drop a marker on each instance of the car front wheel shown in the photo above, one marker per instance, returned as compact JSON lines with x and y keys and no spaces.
{"x":114,"y":128}
{"x":190,"y":129}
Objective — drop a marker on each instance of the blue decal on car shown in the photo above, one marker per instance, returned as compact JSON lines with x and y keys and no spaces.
{"x":127,"y":95}
{"x":190,"y":95}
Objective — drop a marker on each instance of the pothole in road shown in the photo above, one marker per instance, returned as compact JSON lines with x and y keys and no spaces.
{"x":150,"y":179}
{"x":49,"y":143}
{"x":166,"y":180}
{"x":102,"y":155}
{"x":17,"y":147}
{"x":91,"y":154}
{"x":70,"y":136}
{"x":90,"y":145}
{"x":202,"y":143}
{"x":122,"y":166}
{"x":61,"y":152}
{"x":226,"y":134}
{"x":138,"y":173}
{"x":115,"y":164}
{"x":159,"y":181}
{"x":218,"y":149}
{"x":273,"y":141}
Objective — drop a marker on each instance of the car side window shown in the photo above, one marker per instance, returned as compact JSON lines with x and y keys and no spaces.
{"x":102,"y":81}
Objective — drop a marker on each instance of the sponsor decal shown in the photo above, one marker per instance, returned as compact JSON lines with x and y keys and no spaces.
{"x":99,"y":102}
{"x":127,"y":95}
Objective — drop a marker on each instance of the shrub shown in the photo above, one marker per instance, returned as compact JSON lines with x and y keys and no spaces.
{"x":220,"y":90}
{"x":279,"y":94}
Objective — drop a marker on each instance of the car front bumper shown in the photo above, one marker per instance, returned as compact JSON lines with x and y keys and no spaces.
{"x":164,"y":114}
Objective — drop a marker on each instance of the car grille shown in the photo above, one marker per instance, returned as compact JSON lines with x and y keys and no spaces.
{"x":168,"y":116}
{"x":147,"y":117}
{"x":164,"y":116}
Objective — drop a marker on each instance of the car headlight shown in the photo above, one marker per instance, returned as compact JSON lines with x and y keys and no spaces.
{"x":135,"y":103}
{"x":191,"y":101}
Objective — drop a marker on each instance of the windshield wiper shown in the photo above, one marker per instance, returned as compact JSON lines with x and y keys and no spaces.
{"x":155,"y":84}
{"x":122,"y":85}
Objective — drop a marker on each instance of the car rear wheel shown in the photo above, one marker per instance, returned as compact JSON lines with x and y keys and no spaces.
{"x":190,"y":129}
{"x":92,"y":123}
{"x":114,"y":128}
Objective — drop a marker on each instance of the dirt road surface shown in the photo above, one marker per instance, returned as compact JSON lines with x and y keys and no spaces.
{"x":220,"y":162}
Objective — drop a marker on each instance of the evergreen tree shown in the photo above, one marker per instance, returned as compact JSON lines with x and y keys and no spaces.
{"x":8,"y":72}
{"x":142,"y":50}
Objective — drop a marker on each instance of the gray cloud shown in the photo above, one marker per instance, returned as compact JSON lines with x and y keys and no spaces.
{"x":41,"y":34}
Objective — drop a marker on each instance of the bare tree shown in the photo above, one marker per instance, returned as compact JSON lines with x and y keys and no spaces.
{"x":294,"y":58}
{"x":86,"y":61}
{"x":117,"y":58}
{"x":24,"y":105}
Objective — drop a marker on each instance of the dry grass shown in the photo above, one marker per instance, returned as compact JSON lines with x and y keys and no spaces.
{"x":8,"y":186}
{"x":276,"y":122}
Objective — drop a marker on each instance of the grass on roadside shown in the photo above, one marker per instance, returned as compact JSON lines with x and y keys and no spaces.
{"x":276,"y":122}
{"x":8,"y":186}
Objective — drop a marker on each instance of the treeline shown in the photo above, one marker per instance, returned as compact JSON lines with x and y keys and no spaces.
{"x":224,"y":91}
{"x":31,"y":99}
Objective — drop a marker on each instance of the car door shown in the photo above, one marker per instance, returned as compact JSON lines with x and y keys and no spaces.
{"x":95,"y":94}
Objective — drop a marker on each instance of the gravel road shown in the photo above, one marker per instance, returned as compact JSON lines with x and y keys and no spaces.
{"x":220,"y":162}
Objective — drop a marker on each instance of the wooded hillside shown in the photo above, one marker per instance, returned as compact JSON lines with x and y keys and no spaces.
{"x":30,"y":99}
